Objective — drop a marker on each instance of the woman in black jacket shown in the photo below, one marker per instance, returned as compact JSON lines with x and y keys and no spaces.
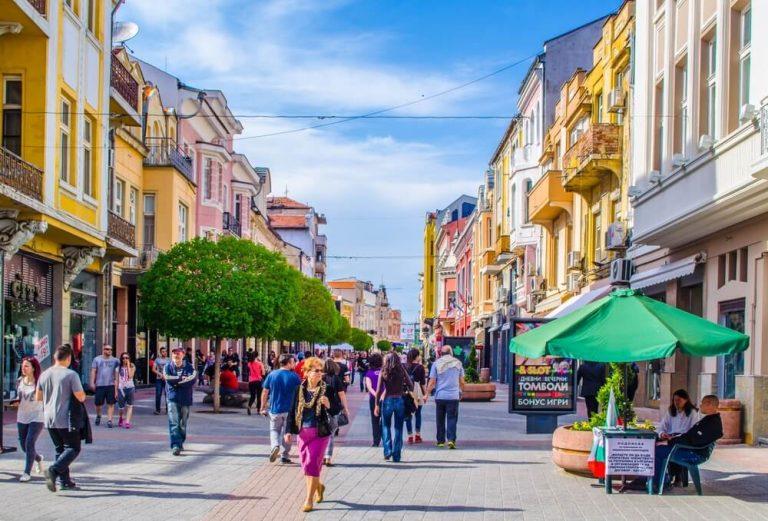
{"x":334,"y":387}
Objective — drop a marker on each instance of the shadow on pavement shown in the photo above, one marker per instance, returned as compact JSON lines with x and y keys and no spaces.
{"x":403,"y":465}
{"x":418,"y":508}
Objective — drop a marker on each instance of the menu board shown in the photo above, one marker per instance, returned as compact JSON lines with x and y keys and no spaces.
{"x":629,"y":456}
{"x":543,"y":384}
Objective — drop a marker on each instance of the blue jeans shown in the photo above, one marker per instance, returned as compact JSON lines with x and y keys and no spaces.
{"x":159,"y":391}
{"x":393,"y":445}
{"x":28,"y":434}
{"x":67,"y":444}
{"x":409,"y":421}
{"x":178,"y":415}
{"x":662,"y":451}
{"x":446,"y":409}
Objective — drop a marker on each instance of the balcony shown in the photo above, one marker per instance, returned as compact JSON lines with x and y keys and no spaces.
{"x":717,"y":189}
{"x":147,"y":255}
{"x":20,"y":175}
{"x":124,"y":93}
{"x":165,"y":152}
{"x":121,"y":235}
{"x":231,"y":224}
{"x":39,"y":6}
{"x":548,"y":199}
{"x":596,"y":153}
{"x":502,"y":245}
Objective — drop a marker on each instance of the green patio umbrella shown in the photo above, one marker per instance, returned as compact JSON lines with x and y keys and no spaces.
{"x":628,"y":327}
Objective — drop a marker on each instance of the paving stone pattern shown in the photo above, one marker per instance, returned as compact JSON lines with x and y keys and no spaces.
{"x":498,"y":473}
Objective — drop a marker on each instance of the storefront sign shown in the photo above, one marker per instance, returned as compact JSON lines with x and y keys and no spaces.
{"x":42,"y":349}
{"x":543,"y":384}
{"x":28,"y":279}
{"x":629,"y":456}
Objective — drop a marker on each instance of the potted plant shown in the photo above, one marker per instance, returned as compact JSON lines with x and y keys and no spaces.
{"x":571,"y":444}
{"x":474,"y":391}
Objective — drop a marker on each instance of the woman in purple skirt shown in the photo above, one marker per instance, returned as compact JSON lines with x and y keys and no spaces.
{"x":310,"y":406}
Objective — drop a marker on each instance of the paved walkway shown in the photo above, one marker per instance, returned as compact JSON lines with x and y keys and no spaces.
{"x":498,"y":473}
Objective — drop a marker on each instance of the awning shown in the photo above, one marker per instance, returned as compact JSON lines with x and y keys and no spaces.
{"x":579,"y":301}
{"x":671,"y":271}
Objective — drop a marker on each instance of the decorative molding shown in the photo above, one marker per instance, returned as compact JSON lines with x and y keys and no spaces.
{"x":14,"y":233}
{"x":10,"y":28}
{"x":76,"y":259}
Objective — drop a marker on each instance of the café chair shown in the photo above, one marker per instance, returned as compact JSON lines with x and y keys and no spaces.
{"x":692,"y":468}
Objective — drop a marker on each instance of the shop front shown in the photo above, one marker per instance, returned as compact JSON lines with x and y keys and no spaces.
{"x":28,"y":316}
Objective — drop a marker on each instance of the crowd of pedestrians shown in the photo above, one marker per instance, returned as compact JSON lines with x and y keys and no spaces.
{"x":303,"y":396}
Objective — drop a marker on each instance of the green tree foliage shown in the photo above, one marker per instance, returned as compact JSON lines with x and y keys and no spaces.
{"x":341,"y":331}
{"x":471,"y":375}
{"x":384,"y":346}
{"x":360,"y":340}
{"x":231,"y":288}
{"x":317,"y":320}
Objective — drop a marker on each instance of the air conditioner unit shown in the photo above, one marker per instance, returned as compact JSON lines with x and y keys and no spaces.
{"x":621,"y":271}
{"x":502,"y":295}
{"x":574,"y":282}
{"x":530,"y":303}
{"x":616,"y":237}
{"x":574,"y":260}
{"x":615,"y":100}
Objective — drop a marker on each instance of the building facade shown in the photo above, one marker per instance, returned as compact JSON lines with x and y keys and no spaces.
{"x":699,"y":196}
{"x":299,"y":225}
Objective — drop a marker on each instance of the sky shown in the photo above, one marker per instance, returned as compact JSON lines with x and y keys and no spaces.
{"x":374,"y":179}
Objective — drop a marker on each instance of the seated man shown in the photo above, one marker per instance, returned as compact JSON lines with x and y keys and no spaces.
{"x":228,"y":381}
{"x":704,"y":432}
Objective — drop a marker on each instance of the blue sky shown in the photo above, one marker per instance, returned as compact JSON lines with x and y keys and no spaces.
{"x":374,"y":179}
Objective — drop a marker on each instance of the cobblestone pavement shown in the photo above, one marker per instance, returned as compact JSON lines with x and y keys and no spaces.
{"x":498,"y":473}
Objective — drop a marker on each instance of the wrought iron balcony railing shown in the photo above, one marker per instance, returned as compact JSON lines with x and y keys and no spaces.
{"x":20,"y":175}
{"x":121,"y":230}
{"x":231,"y":224}
{"x":166,"y":152}
{"x":125,"y":85}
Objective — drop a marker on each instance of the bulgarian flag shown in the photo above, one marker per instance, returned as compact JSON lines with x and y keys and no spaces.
{"x":596,"y":460}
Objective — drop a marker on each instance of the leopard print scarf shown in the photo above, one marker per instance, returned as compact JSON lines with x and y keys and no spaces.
{"x":314,"y":401}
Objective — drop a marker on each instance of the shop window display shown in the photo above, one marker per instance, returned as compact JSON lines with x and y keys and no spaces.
{"x":83,"y":321}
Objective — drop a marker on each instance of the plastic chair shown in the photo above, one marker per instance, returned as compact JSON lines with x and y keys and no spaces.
{"x":692,"y":468}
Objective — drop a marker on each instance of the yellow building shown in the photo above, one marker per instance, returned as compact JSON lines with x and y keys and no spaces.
{"x":429,"y":282}
{"x":483,"y":253}
{"x":581,"y":200}
{"x":54,"y":63}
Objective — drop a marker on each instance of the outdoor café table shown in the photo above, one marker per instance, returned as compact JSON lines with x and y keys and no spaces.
{"x":625,"y":458}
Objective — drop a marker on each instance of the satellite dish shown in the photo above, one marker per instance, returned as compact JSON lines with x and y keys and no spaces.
{"x":124,"y":31}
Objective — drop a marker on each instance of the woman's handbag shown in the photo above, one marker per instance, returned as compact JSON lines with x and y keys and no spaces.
{"x":342,"y":419}
{"x":323,"y":423}
{"x":410,"y":403}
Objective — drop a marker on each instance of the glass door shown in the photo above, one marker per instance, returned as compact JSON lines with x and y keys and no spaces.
{"x":732,"y":316}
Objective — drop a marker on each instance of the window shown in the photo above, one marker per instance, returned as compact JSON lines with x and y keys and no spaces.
{"x":709,"y":69}
{"x":528,"y":187}
{"x":208,"y":178}
{"x":220,"y":177}
{"x":64,"y":143}
{"x":224,"y":190}
{"x":577,"y":131}
{"x":88,"y":157}
{"x":119,"y":197}
{"x":745,"y":56}
{"x":238,"y":206}
{"x":681,"y":105}
{"x":658,"y":125}
{"x":599,"y":107}
{"x":90,"y":15}
{"x":12,"y":115}
{"x":149,"y":219}
{"x":183,"y":216}
{"x":133,"y":197}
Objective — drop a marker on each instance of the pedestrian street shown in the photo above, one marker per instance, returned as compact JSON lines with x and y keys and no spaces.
{"x":497,"y":473}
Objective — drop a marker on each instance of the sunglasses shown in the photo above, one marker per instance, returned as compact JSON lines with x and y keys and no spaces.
{"x":317,"y":371}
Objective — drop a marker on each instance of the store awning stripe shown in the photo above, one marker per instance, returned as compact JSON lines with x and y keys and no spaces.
{"x":662,"y":274}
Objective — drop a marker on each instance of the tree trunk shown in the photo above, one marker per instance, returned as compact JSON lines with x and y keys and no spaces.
{"x":218,"y":344}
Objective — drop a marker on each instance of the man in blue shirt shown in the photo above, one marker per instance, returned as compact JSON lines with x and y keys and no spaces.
{"x":279,"y":391}
{"x":180,"y":378}
{"x":447,"y":377}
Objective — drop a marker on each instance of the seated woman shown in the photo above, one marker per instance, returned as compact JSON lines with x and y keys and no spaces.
{"x":680,"y":416}
{"x":228,"y":381}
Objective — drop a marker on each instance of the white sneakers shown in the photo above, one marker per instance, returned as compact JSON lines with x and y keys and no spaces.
{"x":25,"y":477}
{"x":39,"y":465}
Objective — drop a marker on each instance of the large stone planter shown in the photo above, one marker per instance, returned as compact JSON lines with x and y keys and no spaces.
{"x":730,"y":413}
{"x":478,"y":392}
{"x":570,"y":449}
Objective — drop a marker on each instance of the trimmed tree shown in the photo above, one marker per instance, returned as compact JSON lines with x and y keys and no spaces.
{"x":341,"y":331}
{"x":384,"y":345}
{"x":360,"y":340}
{"x":316,"y":321}
{"x":232,"y":288}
